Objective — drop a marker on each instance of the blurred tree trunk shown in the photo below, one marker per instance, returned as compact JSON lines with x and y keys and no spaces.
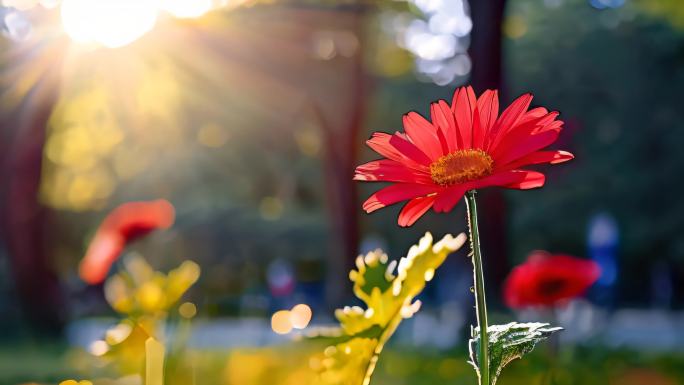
{"x":23,"y":217}
{"x":486,"y":43}
{"x":341,"y":156}
{"x":486,"y":54}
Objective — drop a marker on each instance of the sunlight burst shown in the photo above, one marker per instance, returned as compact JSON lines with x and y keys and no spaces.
{"x":186,"y":9}
{"x":112,"y":23}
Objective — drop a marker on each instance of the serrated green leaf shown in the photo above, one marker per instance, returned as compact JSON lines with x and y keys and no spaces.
{"x":508,"y":342}
{"x":353,"y":348}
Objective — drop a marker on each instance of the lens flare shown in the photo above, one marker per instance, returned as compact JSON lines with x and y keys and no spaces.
{"x":280,"y":322}
{"x":300,"y":316}
{"x":186,"y":8}
{"x":111,"y":23}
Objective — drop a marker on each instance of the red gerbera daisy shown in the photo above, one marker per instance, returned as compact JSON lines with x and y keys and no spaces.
{"x":546,"y":280}
{"x":467,"y":146}
{"x":123,"y":225}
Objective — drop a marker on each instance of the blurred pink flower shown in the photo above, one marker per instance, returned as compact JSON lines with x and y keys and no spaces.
{"x":123,"y":225}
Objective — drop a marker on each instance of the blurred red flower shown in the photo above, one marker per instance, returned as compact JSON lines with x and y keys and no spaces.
{"x":467,"y":146}
{"x":123,"y":225}
{"x":546,"y":280}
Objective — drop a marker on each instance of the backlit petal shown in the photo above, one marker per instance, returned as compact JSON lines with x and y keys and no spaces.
{"x":509,"y":118}
{"x":414,"y":209}
{"x":463,"y":107}
{"x":423,"y":135}
{"x":396,"y":193}
{"x":525,"y":146}
{"x":409,"y":150}
{"x":380,"y":143}
{"x":552,"y":157}
{"x":443,"y":117}
{"x":519,"y":179}
{"x":447,"y":199}
{"x":388,"y":170}
{"x":486,"y":112}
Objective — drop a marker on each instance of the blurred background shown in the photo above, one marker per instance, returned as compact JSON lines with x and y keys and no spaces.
{"x":250,"y":117}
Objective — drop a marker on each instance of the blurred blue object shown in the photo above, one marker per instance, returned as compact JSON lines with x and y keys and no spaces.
{"x":603,"y":240}
{"x":604,"y":4}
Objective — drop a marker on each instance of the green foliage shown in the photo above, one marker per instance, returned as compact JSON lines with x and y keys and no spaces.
{"x":670,"y":10}
{"x":353,"y":348}
{"x":508,"y":342}
{"x":602,"y":69}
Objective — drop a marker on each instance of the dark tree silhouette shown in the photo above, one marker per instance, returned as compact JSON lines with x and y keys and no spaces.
{"x":24,"y":219}
{"x":486,"y":55}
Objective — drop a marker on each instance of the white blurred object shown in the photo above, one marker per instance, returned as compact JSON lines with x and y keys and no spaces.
{"x":441,"y":330}
{"x":18,"y":27}
{"x":439,"y":39}
{"x":49,"y":4}
{"x":21,"y":5}
{"x":645,"y":330}
{"x":372,"y":242}
{"x":581,"y":321}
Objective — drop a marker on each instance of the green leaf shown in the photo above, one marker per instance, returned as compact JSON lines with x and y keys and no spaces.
{"x":508,"y":342}
{"x":354,"y":347}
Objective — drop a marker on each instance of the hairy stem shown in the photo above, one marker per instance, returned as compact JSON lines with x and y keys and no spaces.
{"x":480,"y":301}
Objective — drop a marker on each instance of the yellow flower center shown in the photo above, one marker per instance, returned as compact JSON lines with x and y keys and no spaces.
{"x":461,"y":166}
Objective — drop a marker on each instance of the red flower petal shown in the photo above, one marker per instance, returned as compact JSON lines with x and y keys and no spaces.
{"x":447,"y":199}
{"x":123,"y":225}
{"x":505,"y":179}
{"x":409,"y":150}
{"x":102,"y":252}
{"x":509,"y":118}
{"x":527,"y":145}
{"x":528,"y":180}
{"x":396,"y":193}
{"x":522,"y":131}
{"x":463,"y":107}
{"x":423,"y":135}
{"x":388,"y":170}
{"x":552,"y":157}
{"x":533,"y":114}
{"x":486,"y":111}
{"x":443,"y":117}
{"x":380,"y":143}
{"x":414,"y":209}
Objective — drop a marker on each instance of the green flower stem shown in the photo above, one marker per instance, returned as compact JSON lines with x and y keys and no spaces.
{"x":480,"y":301}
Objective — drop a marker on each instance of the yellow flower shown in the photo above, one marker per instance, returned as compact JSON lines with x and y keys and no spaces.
{"x":140,"y":290}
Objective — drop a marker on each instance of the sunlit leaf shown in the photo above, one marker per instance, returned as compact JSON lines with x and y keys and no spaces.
{"x":508,"y":342}
{"x":355,"y":346}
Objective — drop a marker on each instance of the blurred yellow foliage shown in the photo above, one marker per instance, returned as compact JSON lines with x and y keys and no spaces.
{"x":141,"y":290}
{"x":145,"y":296}
{"x":107,"y":126}
{"x":74,"y":382}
